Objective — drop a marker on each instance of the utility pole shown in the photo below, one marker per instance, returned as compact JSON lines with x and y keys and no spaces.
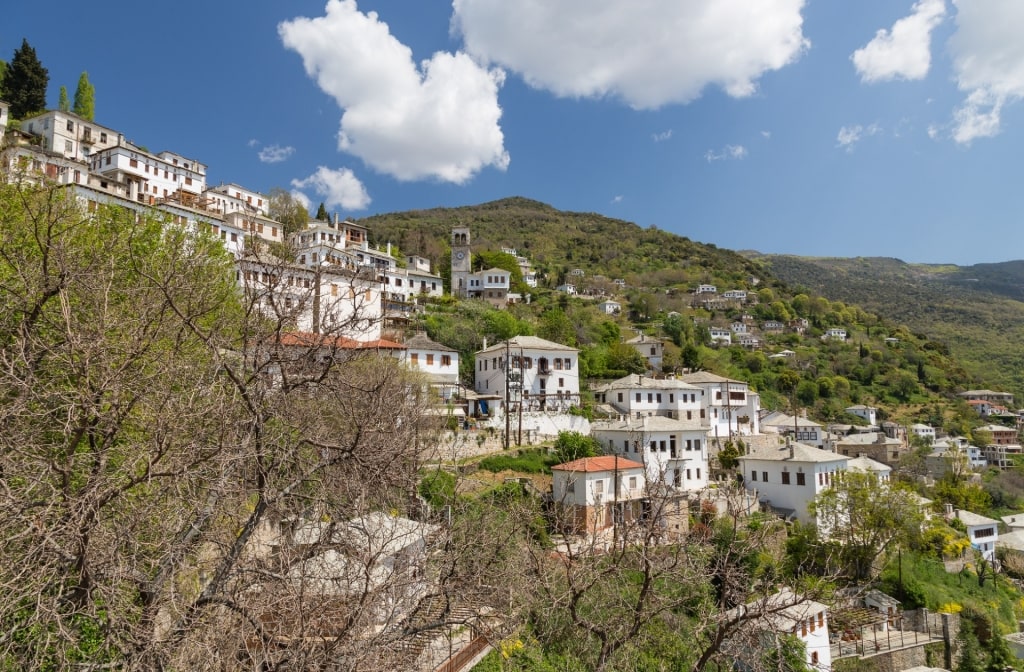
{"x":508,"y":419}
{"x":522,"y":385}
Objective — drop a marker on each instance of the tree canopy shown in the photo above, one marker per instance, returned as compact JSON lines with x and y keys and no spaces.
{"x":24,"y":83}
{"x":63,"y":104}
{"x":85,"y":98}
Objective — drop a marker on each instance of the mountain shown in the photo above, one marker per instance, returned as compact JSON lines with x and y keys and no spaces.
{"x":977,"y":311}
{"x":557,"y":241}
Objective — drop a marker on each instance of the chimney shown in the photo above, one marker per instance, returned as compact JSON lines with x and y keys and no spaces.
{"x":485,"y":344}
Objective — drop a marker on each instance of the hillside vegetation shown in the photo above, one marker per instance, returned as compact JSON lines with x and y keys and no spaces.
{"x":977,"y":311}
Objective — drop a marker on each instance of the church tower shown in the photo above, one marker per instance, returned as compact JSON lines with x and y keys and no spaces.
{"x":461,"y":261}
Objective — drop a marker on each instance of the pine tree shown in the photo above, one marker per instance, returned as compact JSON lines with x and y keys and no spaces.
{"x":62,"y":103}
{"x":85,"y":98}
{"x":24,"y":84}
{"x":321,"y":213}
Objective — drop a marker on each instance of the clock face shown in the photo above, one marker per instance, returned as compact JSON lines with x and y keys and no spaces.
{"x":460,"y":255}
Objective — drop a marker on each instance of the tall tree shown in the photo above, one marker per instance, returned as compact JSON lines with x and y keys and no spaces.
{"x":85,"y":98}
{"x":25,"y":82}
{"x":321,"y":213}
{"x":63,"y":104}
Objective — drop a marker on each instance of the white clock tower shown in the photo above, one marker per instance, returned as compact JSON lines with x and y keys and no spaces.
{"x":462,"y":265}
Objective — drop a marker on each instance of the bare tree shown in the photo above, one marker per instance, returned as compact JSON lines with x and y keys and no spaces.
{"x":183,"y":486}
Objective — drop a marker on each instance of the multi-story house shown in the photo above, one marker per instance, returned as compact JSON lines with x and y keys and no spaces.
{"x":438,"y":363}
{"x":492,"y":286}
{"x":69,"y":135}
{"x":731,"y":406}
{"x":784,"y":613}
{"x":327,"y":299}
{"x":1001,"y":398}
{"x":152,"y":177}
{"x":720,"y":336}
{"x":638,"y":396}
{"x":925,"y":432}
{"x":594,"y":493}
{"x":651,"y":349}
{"x":675,"y":452}
{"x":834,"y":334}
{"x":788,"y":477}
{"x":538,"y":374}
{"x":868,"y":413}
{"x":797,"y":428}
{"x":982,"y":531}
{"x":228,"y":198}
{"x":875,"y":445}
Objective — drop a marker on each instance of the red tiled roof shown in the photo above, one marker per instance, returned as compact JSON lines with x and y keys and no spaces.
{"x":601,"y":463}
{"x":308,"y":340}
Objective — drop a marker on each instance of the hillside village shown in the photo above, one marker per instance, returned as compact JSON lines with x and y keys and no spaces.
{"x":721,"y":407}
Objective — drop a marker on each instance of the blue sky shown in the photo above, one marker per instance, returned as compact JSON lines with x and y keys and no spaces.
{"x":869,"y":128}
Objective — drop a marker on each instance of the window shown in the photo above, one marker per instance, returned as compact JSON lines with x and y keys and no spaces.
{"x":561,"y":382}
{"x":671,"y":398}
{"x":814,"y":657}
{"x":800,"y":480}
{"x":446,"y":360}
{"x":753,"y":475}
{"x":688,"y":474}
{"x":71,"y":125}
{"x":985,"y":532}
{"x":632,"y":482}
{"x":188,"y":181}
{"x":650,"y":398}
{"x":620,"y":397}
{"x":785,"y":478}
{"x":133,"y":163}
{"x":638,"y":397}
{"x":599,"y":487}
{"x":414,"y":358}
{"x":764,"y":476}
{"x":69,"y":146}
{"x":659,"y":397}
{"x":430,"y":360}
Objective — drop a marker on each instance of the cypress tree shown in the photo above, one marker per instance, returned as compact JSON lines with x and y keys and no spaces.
{"x":85,"y":98}
{"x":62,"y":103}
{"x":321,"y":213}
{"x":24,"y":85}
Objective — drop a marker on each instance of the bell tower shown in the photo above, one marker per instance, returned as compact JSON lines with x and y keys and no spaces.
{"x":462,"y":265}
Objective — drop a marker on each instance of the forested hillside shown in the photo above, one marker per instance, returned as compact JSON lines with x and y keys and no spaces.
{"x":976,"y":310}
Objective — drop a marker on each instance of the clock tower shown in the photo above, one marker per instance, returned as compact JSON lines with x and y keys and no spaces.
{"x":462,"y":266}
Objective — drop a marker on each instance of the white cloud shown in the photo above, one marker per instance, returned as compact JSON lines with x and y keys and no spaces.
{"x":904,"y":52}
{"x":727,"y":152}
{"x":275,"y":153}
{"x":336,"y":187}
{"x":253,"y":142}
{"x":933,"y":131}
{"x":849,"y":136}
{"x":617,"y":199}
{"x":437,"y":119}
{"x":648,"y":53}
{"x":988,"y":63}
{"x":767,"y":135}
{"x":663,"y":136}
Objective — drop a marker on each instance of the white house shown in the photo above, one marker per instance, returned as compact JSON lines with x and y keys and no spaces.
{"x":720,"y":336}
{"x":798,"y":428}
{"x":149,"y":177}
{"x":328,"y":299}
{"x":610,"y":307}
{"x":638,"y":396}
{"x":5,"y":111}
{"x":567,"y":288}
{"x":227,"y":198}
{"x":439,"y":363}
{"x":983,"y":532}
{"x":782,"y":613}
{"x":706,"y":289}
{"x":731,"y":406}
{"x":593,"y":493}
{"x":70,"y":135}
{"x":926,"y":432}
{"x":869,"y":413}
{"x":675,"y":452}
{"x":834,"y":334}
{"x":789,"y":477}
{"x":651,"y":349}
{"x":543,"y":375}
{"x":492,"y":285}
